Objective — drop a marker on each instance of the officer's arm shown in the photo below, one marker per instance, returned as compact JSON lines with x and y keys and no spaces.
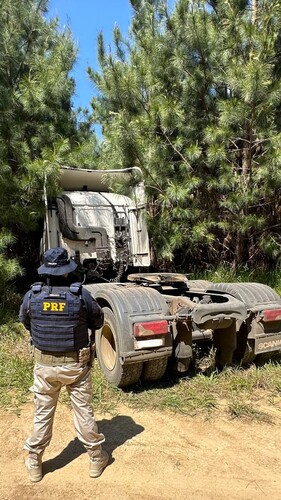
{"x":95,"y":316}
{"x":98,"y":315}
{"x":23,"y":314}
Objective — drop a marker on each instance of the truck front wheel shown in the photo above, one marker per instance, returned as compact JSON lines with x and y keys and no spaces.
{"x":108,"y":354}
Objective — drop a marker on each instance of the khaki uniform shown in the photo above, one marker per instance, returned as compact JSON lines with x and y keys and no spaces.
{"x":48,"y":381}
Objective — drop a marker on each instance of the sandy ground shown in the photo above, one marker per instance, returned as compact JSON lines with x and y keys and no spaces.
{"x":154,"y":455}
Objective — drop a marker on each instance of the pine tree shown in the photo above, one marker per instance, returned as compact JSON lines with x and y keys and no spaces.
{"x":244,"y":142}
{"x":193,"y":98}
{"x":144,"y":108}
{"x":154,"y":105}
{"x":37,"y":125}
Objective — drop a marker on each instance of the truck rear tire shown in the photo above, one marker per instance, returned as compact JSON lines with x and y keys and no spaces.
{"x":108,"y":354}
{"x":154,"y":369}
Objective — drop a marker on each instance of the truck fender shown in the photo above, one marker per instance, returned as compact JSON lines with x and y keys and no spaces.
{"x":255,"y":296}
{"x":128,"y":305}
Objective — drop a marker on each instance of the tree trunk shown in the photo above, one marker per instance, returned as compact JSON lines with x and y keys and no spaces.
{"x":254,"y":8}
{"x":246,"y":164}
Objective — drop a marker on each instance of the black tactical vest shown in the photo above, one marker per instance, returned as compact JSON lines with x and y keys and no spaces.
{"x":58,"y":318}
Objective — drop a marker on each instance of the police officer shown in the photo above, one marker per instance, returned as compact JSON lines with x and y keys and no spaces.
{"x":59,"y":315}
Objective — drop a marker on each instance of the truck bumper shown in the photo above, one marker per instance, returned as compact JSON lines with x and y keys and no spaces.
{"x":144,"y":355}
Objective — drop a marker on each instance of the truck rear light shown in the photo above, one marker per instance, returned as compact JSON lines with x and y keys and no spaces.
{"x":271,"y":315}
{"x":150,"y":328}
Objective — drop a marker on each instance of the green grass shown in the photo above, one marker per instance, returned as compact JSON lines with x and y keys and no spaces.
{"x":226,"y":274}
{"x":247,"y":411}
{"x":15,"y":366}
{"x":252,"y":393}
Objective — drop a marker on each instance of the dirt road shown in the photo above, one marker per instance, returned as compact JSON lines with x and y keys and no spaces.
{"x":154,"y":456}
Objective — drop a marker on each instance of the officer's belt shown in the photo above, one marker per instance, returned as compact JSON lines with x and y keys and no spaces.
{"x":55,"y":358}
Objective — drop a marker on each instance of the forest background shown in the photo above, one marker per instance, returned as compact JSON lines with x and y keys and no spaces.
{"x":191,"y":96}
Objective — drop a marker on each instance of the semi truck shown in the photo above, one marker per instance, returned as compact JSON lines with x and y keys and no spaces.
{"x":150,"y":318}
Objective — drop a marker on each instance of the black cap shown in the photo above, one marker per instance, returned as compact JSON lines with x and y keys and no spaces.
{"x":57,"y":262}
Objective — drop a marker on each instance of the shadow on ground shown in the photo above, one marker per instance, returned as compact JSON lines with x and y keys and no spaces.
{"x":117,"y":431}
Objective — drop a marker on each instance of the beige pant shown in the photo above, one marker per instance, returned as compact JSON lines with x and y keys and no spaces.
{"x":48,"y":381}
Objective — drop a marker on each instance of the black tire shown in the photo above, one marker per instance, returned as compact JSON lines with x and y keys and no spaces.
{"x":108,"y":354}
{"x":154,"y":369}
{"x":200,"y":285}
{"x":264,"y":357}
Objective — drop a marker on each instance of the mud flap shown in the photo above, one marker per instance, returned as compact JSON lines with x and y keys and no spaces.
{"x":225,"y":344}
{"x":182,"y":347}
{"x":241,"y":341}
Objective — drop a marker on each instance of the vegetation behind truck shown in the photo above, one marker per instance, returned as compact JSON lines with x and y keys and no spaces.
{"x":150,"y":317}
